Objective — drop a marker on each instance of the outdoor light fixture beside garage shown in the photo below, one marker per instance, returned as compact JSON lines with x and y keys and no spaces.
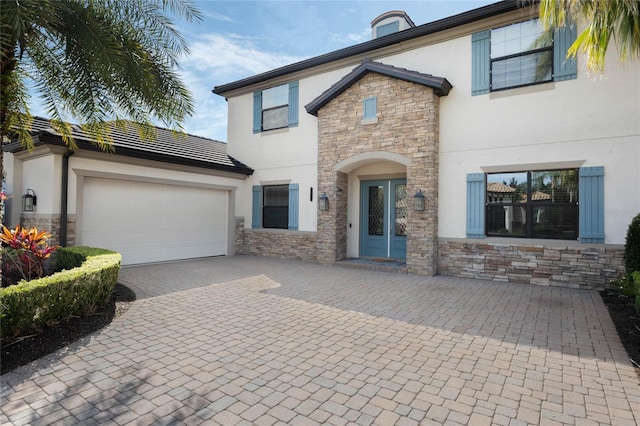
{"x":29,"y":200}
{"x":323,"y":202}
{"x":418,"y":201}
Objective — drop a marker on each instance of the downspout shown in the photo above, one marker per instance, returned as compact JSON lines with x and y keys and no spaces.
{"x":63,"y":198}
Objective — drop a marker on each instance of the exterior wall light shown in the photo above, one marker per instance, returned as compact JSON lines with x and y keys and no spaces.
{"x":418,"y":201}
{"x":29,"y":200}
{"x":323,"y":202}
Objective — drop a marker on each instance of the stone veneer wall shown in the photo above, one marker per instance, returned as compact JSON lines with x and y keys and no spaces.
{"x":407,"y":124}
{"x":275,"y":242}
{"x":51,"y":224}
{"x":586,"y":267}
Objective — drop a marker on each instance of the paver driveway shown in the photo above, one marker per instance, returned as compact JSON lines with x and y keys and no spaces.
{"x":247,"y":340}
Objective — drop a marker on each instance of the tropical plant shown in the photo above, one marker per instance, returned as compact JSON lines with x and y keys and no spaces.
{"x":25,"y":253}
{"x":604,"y":20}
{"x":103,"y":62}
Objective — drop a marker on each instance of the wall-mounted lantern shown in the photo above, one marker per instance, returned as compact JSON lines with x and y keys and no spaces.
{"x":29,"y":200}
{"x":323,"y":202}
{"x":418,"y":201}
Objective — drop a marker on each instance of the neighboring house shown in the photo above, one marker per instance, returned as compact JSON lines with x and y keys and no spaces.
{"x":344,"y":143}
{"x":166,"y":199}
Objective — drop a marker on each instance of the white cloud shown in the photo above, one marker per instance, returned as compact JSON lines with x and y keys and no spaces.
{"x":228,"y":57}
{"x":218,"y":17}
{"x":350,"y":38}
{"x":217,"y":59}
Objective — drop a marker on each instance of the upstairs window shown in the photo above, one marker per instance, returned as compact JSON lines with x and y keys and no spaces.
{"x":521,"y":55}
{"x":370,"y":109}
{"x":386,"y":29}
{"x":275,"y":107}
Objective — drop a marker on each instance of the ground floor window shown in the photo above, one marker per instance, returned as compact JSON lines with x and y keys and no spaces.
{"x":538,"y":204}
{"x":275,"y":210}
{"x":275,"y":206}
{"x":533,"y":204}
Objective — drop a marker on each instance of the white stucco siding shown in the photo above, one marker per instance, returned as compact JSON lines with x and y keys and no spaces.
{"x":38,"y":174}
{"x":120,"y":168}
{"x":280,"y":156}
{"x":155,"y":198}
{"x":305,"y":176}
{"x":592,"y":119}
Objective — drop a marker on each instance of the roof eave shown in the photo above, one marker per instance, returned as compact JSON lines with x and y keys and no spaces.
{"x":419,"y":31}
{"x":46,"y":138}
{"x":440,"y":85}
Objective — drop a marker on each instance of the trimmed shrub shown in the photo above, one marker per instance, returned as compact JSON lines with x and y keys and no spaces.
{"x":635,"y":278}
{"x":28,"y":306}
{"x":632,"y":246}
{"x":72,"y":257}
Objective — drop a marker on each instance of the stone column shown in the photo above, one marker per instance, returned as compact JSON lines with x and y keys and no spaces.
{"x":422,"y":173}
{"x":332,"y":224}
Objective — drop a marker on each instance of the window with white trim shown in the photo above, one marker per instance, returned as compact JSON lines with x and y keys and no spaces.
{"x":560,"y":204}
{"x":275,"y":206}
{"x":521,"y":55}
{"x":275,"y":107}
{"x":533,"y":204}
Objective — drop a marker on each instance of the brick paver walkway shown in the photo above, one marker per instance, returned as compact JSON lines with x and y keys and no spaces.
{"x":247,"y":340}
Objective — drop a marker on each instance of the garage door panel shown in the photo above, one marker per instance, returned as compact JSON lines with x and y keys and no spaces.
{"x":149,"y":222}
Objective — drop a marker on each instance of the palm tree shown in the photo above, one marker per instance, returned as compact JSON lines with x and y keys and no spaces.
{"x":604,"y":19}
{"x":104,"y":62}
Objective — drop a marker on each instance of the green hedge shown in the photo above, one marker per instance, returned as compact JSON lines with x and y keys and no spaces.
{"x":85,"y":281}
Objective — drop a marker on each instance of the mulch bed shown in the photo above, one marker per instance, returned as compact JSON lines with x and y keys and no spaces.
{"x":24,"y":351}
{"x":52,"y":338}
{"x":627,"y":322}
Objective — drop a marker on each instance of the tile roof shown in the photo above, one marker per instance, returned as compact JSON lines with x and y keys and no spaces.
{"x":167,"y":147}
{"x":499,"y":188}
{"x":536,"y":196}
{"x":439,"y":85}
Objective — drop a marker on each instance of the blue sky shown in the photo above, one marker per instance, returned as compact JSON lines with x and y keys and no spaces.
{"x":237,"y":39}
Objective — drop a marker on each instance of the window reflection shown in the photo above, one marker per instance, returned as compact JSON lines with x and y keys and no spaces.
{"x":537,"y":204}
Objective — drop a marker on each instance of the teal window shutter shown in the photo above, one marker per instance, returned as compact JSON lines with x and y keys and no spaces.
{"x":370,"y":108}
{"x":480,"y":62}
{"x":293,"y":104}
{"x":257,"y":111}
{"x":564,"y":68}
{"x":591,"y":204}
{"x":256,"y":207}
{"x":293,"y":206}
{"x":475,"y":205}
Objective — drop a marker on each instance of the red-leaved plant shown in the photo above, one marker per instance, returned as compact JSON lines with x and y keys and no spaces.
{"x":24,"y":252}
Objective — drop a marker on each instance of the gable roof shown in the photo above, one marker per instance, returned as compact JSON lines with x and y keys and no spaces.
{"x":484,"y":12}
{"x":167,"y":147}
{"x":439,"y":85}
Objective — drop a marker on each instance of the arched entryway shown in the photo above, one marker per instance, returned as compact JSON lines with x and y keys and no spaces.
{"x":377,"y":216}
{"x":364,"y":161}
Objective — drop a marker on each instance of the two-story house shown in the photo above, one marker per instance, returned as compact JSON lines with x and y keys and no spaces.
{"x":469,"y":146}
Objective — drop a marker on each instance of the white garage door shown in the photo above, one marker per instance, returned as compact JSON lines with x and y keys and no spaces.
{"x":150,"y":222}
